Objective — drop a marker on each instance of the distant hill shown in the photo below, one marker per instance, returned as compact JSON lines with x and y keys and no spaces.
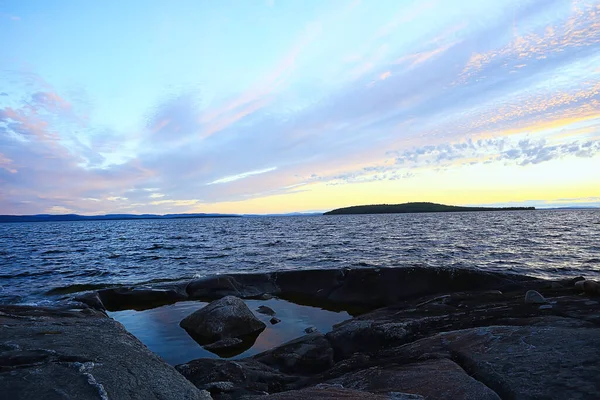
{"x":415,"y":208}
{"x":77,"y":217}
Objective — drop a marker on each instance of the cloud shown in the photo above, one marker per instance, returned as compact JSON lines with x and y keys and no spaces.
{"x":462,"y":93}
{"x":243,"y":175}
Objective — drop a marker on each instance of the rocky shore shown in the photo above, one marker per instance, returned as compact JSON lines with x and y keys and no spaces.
{"x":417,"y":333}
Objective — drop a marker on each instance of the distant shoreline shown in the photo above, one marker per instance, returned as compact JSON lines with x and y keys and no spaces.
{"x":406,"y":208}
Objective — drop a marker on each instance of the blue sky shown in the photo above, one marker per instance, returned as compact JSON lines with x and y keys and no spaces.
{"x":276,"y":106}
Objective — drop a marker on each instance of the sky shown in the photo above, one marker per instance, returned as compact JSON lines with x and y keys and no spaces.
{"x":273,"y":106}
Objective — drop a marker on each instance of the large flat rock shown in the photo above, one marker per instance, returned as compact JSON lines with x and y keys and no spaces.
{"x":80,"y":354}
{"x":521,"y":362}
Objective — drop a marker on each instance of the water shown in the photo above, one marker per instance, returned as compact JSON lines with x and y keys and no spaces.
{"x":159,"y":330}
{"x":36,"y":258}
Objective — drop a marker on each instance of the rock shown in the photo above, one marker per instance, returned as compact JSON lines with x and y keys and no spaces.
{"x":274,"y":321}
{"x":249,"y":377}
{"x":138,"y":298}
{"x":310,"y":329}
{"x":308,"y":354}
{"x":331,"y":392}
{"x":533,"y":297}
{"x":591,"y":288}
{"x":220,"y":387}
{"x":228,"y":317}
{"x":48,"y":353}
{"x":265,"y":296}
{"x":529,"y":362}
{"x":579,"y":285}
{"x":265,"y":310}
{"x":239,"y":285}
{"x":91,"y":299}
{"x":431,"y":379}
{"x":357,"y":335}
{"x":223,"y":346}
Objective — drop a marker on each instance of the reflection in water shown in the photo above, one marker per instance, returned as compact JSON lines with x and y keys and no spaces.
{"x":159,"y":328}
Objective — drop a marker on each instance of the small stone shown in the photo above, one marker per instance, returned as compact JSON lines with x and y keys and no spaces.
{"x":265,"y":310}
{"x":545,"y":307}
{"x":274,"y":321}
{"x":265,"y":296}
{"x":533,"y":297}
{"x":310,"y":329}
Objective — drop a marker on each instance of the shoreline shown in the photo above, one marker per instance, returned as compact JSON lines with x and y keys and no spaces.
{"x":434,"y":334}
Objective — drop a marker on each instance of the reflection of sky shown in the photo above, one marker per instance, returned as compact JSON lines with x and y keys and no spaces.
{"x":159,"y":328}
{"x":268,"y":106}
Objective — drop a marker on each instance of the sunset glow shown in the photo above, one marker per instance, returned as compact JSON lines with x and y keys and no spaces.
{"x":279,"y":106}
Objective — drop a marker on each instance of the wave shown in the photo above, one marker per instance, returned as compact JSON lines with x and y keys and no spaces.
{"x":26,"y":274}
{"x":215,"y":256}
{"x":55,"y":251}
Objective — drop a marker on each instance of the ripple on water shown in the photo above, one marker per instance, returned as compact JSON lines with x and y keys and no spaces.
{"x":33,"y":256}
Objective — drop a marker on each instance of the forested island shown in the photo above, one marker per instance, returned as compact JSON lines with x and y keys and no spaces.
{"x":421,"y":207}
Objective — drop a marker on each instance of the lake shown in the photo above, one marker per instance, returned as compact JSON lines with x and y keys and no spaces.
{"x":39,"y":262}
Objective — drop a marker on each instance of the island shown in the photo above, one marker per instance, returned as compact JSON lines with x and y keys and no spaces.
{"x":420,"y":207}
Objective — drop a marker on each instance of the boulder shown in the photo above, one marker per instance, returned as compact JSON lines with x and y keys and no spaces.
{"x":228,"y":317}
{"x":244,"y":377}
{"x":308,"y":354}
{"x":274,"y":320}
{"x":591,"y":288}
{"x":48,"y":353}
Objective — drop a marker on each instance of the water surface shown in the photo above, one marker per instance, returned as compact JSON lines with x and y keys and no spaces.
{"x":72,"y":256}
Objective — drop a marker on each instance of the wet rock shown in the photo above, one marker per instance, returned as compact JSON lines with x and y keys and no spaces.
{"x":228,"y":317}
{"x":274,"y":321}
{"x":533,"y":297}
{"x":308,"y":354}
{"x":92,"y":300}
{"x":265,"y":310}
{"x":249,"y":377}
{"x":48,"y":353}
{"x":310,"y":329}
{"x":138,"y":298}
